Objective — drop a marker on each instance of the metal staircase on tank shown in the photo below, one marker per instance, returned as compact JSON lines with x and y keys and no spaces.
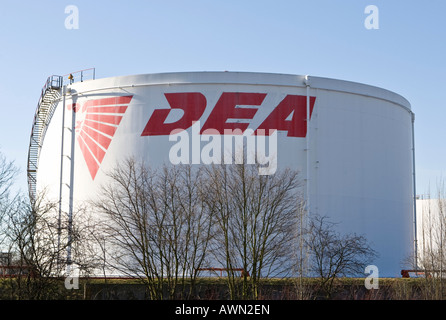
{"x":51,"y":93}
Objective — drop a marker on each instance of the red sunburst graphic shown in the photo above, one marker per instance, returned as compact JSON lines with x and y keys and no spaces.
{"x":96,"y":131}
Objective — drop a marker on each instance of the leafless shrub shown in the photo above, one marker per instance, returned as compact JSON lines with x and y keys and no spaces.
{"x":156,"y":226}
{"x":256,"y":220}
{"x":333,"y":255}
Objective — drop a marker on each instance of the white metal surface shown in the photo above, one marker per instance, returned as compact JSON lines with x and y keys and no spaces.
{"x":359,"y":157}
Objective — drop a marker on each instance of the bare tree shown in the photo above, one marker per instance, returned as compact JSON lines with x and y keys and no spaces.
{"x":333,"y":255}
{"x":431,"y":248}
{"x":32,"y":239}
{"x":8,"y":172}
{"x":38,"y":254}
{"x":162,"y":225}
{"x":156,"y":226}
{"x":187,"y":225}
{"x":26,"y":234}
{"x":257,"y":217}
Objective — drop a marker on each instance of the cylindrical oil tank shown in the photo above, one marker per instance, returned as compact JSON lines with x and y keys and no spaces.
{"x":355,"y":156}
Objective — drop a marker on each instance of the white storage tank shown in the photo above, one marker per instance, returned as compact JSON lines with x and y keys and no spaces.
{"x":355,"y":157}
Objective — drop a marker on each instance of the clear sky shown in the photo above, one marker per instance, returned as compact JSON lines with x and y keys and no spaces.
{"x":324,"y":38}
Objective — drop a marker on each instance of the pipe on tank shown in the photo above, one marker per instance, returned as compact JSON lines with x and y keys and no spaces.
{"x":307,"y":84}
{"x":414,"y":195}
{"x":59,"y":227}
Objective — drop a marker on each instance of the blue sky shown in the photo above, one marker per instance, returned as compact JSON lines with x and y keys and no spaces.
{"x":324,"y":38}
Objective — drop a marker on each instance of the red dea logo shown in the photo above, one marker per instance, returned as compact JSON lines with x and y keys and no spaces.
{"x":96,"y":130}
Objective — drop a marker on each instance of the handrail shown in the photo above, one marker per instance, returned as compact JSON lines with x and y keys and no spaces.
{"x":242,"y":271}
{"x":81,"y":72}
{"x":428,"y":273}
{"x":51,"y":82}
{"x":78,"y":71}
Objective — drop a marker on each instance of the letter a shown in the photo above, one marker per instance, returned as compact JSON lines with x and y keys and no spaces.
{"x":179,"y":152}
{"x":372,"y":280}
{"x":72,"y":21}
{"x":71,"y":283}
{"x":372,"y":20}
